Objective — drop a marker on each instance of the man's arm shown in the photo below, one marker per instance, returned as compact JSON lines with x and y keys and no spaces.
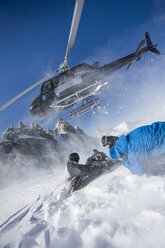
{"x":73,"y":169}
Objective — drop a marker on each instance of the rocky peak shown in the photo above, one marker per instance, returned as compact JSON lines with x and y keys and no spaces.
{"x":62,"y":127}
{"x":45,"y":146}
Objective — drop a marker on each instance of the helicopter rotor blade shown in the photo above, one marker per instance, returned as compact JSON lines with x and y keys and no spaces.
{"x":73,"y":31}
{"x":74,"y":27}
{"x":25,"y":91}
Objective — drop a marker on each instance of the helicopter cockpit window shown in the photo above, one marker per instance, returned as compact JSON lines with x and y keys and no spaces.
{"x":47,"y":91}
{"x":46,"y":87}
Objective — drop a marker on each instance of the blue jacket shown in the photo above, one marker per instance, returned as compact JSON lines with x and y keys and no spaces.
{"x":139,"y":145}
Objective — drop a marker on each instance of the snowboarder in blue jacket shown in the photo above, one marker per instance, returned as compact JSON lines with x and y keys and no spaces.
{"x":138,"y":146}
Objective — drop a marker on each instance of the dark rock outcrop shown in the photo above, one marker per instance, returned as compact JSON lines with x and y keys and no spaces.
{"x":46,"y":148}
{"x":33,"y":142}
{"x":26,"y":152}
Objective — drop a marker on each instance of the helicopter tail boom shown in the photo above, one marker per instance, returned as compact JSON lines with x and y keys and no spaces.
{"x":150,"y":45}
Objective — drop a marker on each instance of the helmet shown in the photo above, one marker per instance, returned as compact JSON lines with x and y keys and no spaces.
{"x":74,"y":157}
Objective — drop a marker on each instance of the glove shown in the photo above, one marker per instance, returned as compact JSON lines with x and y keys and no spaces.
{"x":80,"y":165}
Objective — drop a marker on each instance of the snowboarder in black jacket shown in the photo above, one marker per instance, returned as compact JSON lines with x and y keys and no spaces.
{"x":75,"y":172}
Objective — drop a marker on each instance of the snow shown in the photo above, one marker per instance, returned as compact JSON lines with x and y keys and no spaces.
{"x":122,"y":128}
{"x":116,"y":210}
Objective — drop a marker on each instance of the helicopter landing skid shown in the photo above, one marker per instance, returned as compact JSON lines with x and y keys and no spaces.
{"x":88,"y":104}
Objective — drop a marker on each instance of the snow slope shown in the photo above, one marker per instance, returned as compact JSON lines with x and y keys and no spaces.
{"x":116,"y":210}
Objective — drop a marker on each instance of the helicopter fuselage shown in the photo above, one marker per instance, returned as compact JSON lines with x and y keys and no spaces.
{"x":48,"y":102}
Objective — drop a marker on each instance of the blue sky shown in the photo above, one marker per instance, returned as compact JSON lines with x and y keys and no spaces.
{"x":33,"y":42}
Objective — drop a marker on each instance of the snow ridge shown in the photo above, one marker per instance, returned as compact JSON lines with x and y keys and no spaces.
{"x":116,"y":210}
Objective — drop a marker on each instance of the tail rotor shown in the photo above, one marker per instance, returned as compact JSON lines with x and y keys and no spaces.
{"x":150,"y":45}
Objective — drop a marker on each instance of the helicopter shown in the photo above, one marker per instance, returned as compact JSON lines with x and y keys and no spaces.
{"x":81,"y":83}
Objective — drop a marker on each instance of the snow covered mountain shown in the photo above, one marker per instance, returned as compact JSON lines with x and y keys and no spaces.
{"x":122,"y":128}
